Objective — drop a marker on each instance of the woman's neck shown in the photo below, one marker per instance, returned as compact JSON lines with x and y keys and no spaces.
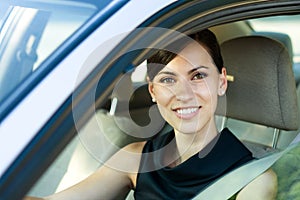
{"x":192,"y":143}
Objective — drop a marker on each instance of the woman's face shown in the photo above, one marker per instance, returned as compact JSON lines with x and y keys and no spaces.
{"x":187,"y":88}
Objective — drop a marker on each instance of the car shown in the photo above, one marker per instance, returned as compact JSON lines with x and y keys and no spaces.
{"x":73,"y":86}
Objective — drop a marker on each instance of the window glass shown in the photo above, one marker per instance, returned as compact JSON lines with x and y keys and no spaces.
{"x":139,"y":74}
{"x":282,"y":24}
{"x":30,"y":31}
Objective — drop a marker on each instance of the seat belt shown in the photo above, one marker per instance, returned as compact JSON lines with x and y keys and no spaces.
{"x":232,"y":182}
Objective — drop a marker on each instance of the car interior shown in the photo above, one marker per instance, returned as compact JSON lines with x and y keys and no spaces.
{"x":260,"y":108}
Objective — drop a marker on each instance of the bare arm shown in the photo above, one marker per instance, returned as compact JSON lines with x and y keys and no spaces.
{"x":264,"y":187}
{"x":105,"y":183}
{"x":111,"y":181}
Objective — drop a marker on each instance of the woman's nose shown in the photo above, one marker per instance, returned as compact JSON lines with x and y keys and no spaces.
{"x":184,"y":91}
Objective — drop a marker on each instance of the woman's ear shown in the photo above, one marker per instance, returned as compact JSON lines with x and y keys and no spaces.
{"x":151,"y":90}
{"x":222,"y":82}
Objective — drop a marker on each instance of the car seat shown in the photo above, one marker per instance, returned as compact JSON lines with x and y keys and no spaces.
{"x":286,"y":41}
{"x":261,"y":102}
{"x":262,"y":72}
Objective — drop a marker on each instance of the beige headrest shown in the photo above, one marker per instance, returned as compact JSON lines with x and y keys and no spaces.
{"x":263,"y":90}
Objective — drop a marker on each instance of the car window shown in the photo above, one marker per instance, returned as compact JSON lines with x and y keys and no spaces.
{"x":30,"y":32}
{"x":139,"y":74}
{"x":281,"y":24}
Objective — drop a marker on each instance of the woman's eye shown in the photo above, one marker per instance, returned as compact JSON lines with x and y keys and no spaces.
{"x":199,"y":76}
{"x":167,"y":80}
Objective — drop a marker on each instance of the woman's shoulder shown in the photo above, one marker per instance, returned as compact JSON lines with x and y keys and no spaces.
{"x":131,"y":155}
{"x":265,"y":187}
{"x":136,"y":147}
{"x":128,"y":157}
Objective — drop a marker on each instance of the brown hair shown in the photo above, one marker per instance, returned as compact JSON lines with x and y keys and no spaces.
{"x":162,"y":57}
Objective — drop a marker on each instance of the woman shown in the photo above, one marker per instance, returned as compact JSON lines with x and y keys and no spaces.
{"x":180,"y":164}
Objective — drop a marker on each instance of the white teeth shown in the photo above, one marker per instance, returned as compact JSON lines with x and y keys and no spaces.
{"x":186,"y":111}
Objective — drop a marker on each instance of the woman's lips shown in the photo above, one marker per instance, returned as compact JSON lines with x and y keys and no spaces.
{"x":186,"y":113}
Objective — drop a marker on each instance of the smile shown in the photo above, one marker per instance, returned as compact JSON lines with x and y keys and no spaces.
{"x":186,"y":111}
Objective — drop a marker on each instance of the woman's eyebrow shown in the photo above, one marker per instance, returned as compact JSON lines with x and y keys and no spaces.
{"x":167,"y":73}
{"x":196,"y":68}
{"x":189,"y":72}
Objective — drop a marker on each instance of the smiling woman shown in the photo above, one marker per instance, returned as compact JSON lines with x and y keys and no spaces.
{"x":195,"y":82}
{"x":181,"y":163}
{"x":188,"y":93}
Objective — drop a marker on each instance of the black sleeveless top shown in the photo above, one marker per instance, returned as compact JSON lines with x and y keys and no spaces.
{"x":156,"y":180}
